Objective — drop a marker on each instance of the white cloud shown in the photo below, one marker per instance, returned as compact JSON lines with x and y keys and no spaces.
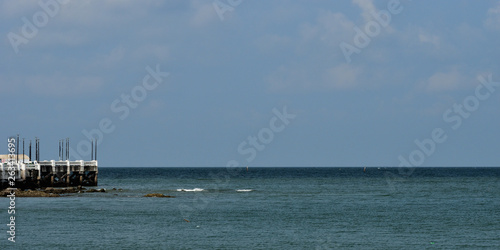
{"x":343,"y":76}
{"x":330,"y":28}
{"x":105,"y":13}
{"x":17,"y":8}
{"x":204,"y":13}
{"x":296,"y":78}
{"x":59,"y":85}
{"x":424,"y":37}
{"x":445,"y":81}
{"x":493,"y":18}
{"x":367,"y":7}
{"x":158,"y":51}
{"x":51,"y":37}
{"x":318,"y":42}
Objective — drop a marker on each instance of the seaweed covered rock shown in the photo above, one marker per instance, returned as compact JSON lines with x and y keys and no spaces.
{"x":93,"y":190}
{"x":159,"y":195}
{"x":28,"y":193}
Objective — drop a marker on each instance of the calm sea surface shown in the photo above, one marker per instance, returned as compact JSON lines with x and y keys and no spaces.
{"x":268,"y":208}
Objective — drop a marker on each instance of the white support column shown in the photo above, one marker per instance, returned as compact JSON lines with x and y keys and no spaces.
{"x":23,"y":171}
{"x":68,"y":173}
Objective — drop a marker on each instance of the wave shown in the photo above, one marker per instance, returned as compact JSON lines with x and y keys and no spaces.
{"x":244,"y":190}
{"x":190,"y":190}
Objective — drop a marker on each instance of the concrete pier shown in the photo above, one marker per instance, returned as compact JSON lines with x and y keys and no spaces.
{"x":49,"y":174}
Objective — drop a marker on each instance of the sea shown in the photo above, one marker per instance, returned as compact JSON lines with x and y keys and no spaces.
{"x":267,"y":208}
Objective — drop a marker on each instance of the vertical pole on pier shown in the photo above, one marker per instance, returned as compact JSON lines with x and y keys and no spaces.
{"x":67,"y":148}
{"x":17,"y":149}
{"x":95,"y":153}
{"x":92,"y":151}
{"x":37,"y":149}
{"x":63,"y":153}
{"x":59,"y":149}
{"x":23,"y":150}
{"x":68,"y":174}
{"x":30,"y":152}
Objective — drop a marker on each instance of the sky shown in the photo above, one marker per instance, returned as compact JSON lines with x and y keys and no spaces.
{"x":201,"y":83}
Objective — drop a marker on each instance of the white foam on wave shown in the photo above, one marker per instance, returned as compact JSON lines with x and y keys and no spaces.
{"x":244,"y":190}
{"x":190,"y":190}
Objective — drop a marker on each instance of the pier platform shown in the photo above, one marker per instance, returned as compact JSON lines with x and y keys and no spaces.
{"x":50,"y":174}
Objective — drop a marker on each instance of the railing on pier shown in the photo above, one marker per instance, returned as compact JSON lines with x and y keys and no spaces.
{"x":51,"y":173}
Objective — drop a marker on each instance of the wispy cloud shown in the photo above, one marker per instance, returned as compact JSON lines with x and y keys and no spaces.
{"x":367,"y":8}
{"x":343,"y":76}
{"x":330,"y":28}
{"x":61,"y":86}
{"x":204,"y":13}
{"x":445,"y":81}
{"x":493,"y":18}
{"x":425,"y":37}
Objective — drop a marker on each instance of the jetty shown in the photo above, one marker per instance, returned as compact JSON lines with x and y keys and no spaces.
{"x":20,"y":171}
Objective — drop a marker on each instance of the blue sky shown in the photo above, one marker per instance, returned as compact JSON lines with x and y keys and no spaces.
{"x":233,"y":65}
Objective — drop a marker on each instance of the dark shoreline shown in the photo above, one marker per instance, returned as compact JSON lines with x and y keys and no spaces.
{"x":59,"y":192}
{"x":47,"y":192}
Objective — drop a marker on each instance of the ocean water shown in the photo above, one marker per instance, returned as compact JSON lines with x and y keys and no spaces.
{"x":268,"y":208}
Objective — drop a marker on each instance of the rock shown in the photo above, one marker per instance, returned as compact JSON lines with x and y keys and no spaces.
{"x":5,"y":192}
{"x":67,"y":190}
{"x":159,"y":195}
{"x":35,"y":193}
{"x":93,"y":190}
{"x":30,"y":193}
